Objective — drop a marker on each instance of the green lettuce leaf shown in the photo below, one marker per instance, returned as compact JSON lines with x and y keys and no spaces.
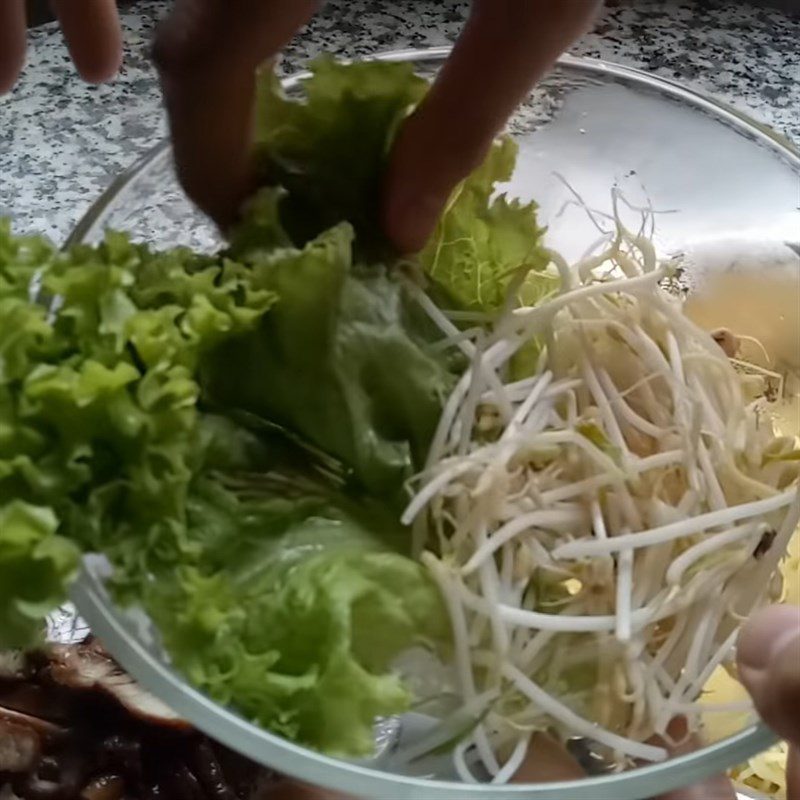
{"x":277,"y":588}
{"x":35,"y":565}
{"x":98,"y":404}
{"x":296,"y":607}
{"x":326,"y":362}
{"x":328,"y":148}
{"x":483,"y":242}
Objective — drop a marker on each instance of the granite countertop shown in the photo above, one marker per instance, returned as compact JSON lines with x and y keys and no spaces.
{"x":62,"y":142}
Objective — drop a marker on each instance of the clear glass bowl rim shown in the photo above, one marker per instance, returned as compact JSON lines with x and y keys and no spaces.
{"x":109,"y":625}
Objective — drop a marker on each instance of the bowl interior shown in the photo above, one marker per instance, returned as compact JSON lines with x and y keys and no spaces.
{"x":724,"y":190}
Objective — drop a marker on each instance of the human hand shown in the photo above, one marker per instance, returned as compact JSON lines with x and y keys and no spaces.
{"x":769,"y":667}
{"x":208,"y":51}
{"x":91,"y":29}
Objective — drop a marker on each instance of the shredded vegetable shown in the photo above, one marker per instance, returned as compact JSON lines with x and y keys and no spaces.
{"x":600,"y":527}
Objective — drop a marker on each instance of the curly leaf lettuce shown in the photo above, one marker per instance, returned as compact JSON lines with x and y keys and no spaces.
{"x":328,"y":147}
{"x":483,"y":242}
{"x":286,"y":597}
{"x":99,"y":423}
{"x":35,"y":564}
{"x":295,"y":609}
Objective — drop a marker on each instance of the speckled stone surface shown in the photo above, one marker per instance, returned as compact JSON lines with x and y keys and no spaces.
{"x":62,"y":142}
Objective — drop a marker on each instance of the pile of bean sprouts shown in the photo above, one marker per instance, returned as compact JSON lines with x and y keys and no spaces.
{"x":600,"y":526}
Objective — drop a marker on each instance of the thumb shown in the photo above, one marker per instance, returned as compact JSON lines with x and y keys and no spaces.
{"x":505,"y":47}
{"x":769,"y":667}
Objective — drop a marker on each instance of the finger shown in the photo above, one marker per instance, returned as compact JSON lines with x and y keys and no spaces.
{"x":506,"y":46}
{"x":769,"y":666}
{"x":93,"y":35}
{"x":13,"y":31}
{"x":207,"y":53}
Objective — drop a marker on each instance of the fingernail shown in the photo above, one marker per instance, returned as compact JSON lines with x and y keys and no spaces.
{"x":766,"y":635}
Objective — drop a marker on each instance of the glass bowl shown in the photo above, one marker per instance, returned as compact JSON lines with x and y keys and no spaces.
{"x":724,"y":189}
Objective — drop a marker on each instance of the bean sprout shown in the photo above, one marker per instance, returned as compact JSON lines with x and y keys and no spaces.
{"x":594,"y":533}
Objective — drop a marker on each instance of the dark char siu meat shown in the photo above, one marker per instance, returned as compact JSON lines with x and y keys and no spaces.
{"x":75,"y":726}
